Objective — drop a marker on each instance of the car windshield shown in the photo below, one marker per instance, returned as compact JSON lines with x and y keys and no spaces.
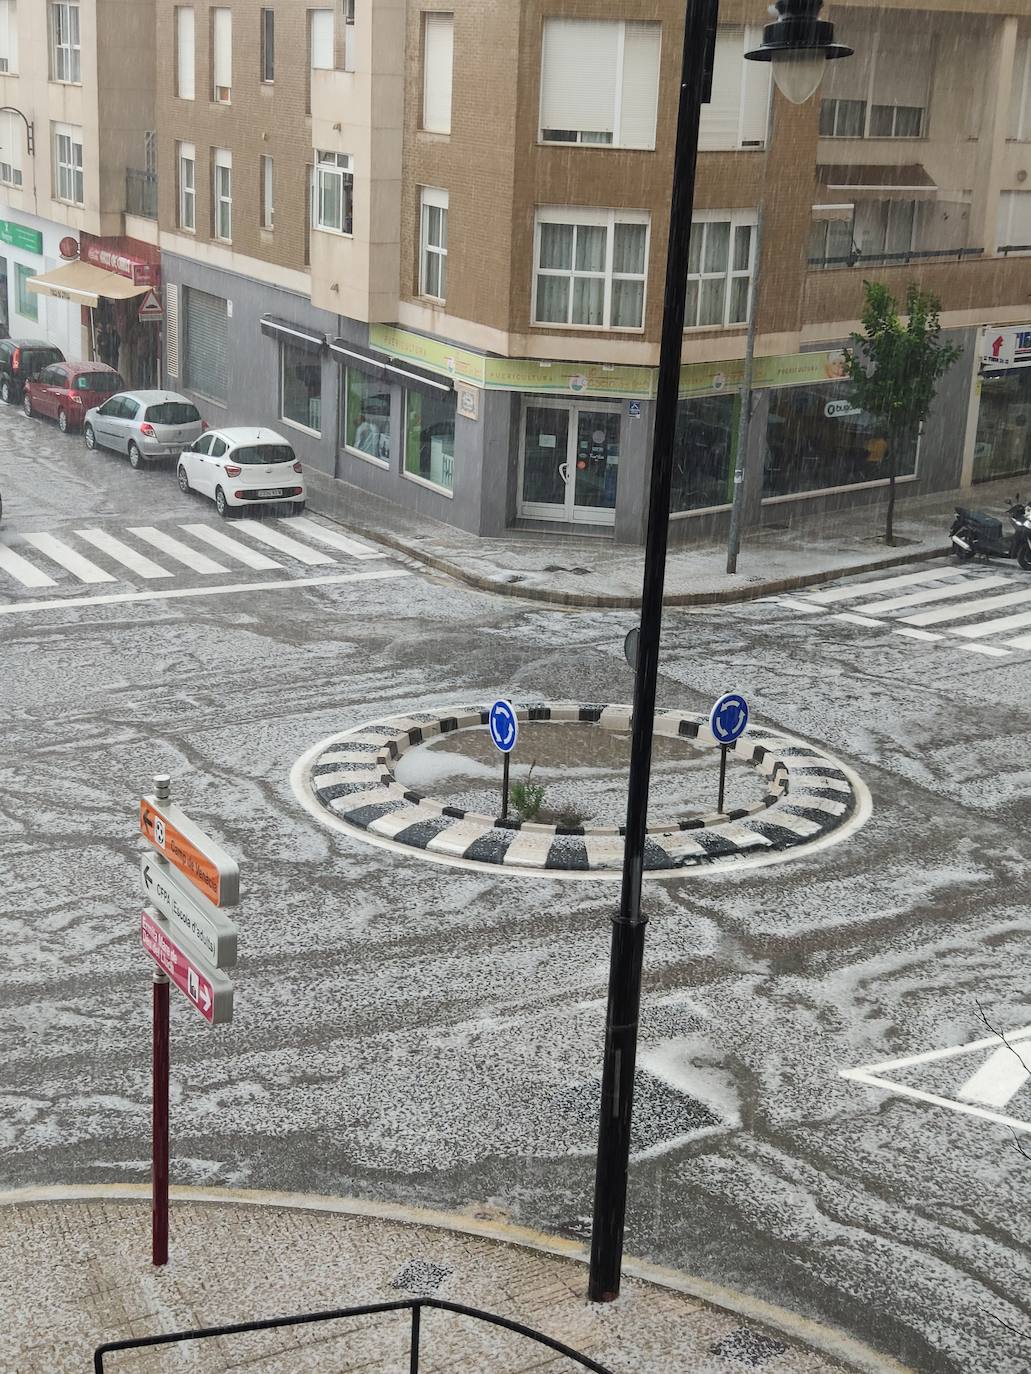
{"x":257,"y":454}
{"x":173,"y":413}
{"x":98,"y":381}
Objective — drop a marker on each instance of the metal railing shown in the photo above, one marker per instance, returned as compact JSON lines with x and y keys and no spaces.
{"x":141,"y":193}
{"x":857,"y":258}
{"x":415,"y":1306}
{"x":1008,"y":248}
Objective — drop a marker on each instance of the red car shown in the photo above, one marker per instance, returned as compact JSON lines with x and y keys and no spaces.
{"x":65,"y":391}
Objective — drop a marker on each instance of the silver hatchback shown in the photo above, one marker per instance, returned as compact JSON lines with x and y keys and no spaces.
{"x":143,"y":424}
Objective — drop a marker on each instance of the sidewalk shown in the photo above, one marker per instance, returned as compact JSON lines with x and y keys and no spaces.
{"x":75,"y":1272}
{"x":595,"y":572}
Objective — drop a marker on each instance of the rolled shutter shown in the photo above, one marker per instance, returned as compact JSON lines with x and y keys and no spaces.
{"x":185,"y":51}
{"x":902,"y":75}
{"x":172,"y":329}
{"x":640,"y":93}
{"x":223,"y":44}
{"x":1015,"y":219}
{"x":437,"y":60}
{"x":8,"y":37}
{"x":755,"y":102}
{"x":850,"y":79}
{"x":721,"y":119}
{"x":322,"y":55}
{"x":578,"y":75}
{"x":1020,"y":95}
{"x":207,"y":339}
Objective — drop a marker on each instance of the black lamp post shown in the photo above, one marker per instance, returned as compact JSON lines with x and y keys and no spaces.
{"x":798,"y":44}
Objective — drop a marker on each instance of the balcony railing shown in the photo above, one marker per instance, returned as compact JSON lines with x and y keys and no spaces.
{"x":141,"y":193}
{"x":856,"y":258}
{"x":1009,"y":248}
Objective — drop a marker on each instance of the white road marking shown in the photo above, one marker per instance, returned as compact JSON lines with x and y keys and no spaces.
{"x":283,"y":543}
{"x":791,"y":605}
{"x":990,"y":627}
{"x":122,"y":553}
{"x":20,"y":568}
{"x":896,"y":603}
{"x":999,"y":1078}
{"x":175,"y":548}
{"x":332,"y":538}
{"x":884,"y":584}
{"x":919,"y":634}
{"x":176,"y":592}
{"x":857,"y":619}
{"x":232,"y":547}
{"x":988,"y":650}
{"x":74,"y":562}
{"x":966,"y":608}
{"x":1021,"y":642}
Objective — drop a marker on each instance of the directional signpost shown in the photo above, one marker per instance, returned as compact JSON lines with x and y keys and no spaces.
{"x":504,"y":731}
{"x":727,"y":721}
{"x":191,"y":941}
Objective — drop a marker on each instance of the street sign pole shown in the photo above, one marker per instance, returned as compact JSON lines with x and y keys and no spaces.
{"x":161,"y":1057}
{"x":504,"y":788}
{"x":723,"y":776}
{"x":503,"y":724}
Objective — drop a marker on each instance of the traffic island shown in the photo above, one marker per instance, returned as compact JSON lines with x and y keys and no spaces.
{"x":797,"y":798}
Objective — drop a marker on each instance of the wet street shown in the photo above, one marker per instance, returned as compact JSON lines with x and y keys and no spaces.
{"x":421,"y":1033}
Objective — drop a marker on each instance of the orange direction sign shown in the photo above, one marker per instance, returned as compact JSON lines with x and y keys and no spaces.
{"x":205,"y":863}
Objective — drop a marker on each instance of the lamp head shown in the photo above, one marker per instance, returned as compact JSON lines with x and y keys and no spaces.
{"x":798,"y":44}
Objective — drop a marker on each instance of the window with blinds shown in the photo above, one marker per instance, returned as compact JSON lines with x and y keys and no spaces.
{"x":437,"y":63}
{"x":222,"y":55}
{"x":320,"y":38}
{"x":185,"y":52}
{"x":207,"y":343}
{"x":1020,"y":92}
{"x":738,"y":114}
{"x":172,"y":328}
{"x":600,"y":82}
{"x":880,"y":92}
{"x":1015,"y":219}
{"x":8,"y":36}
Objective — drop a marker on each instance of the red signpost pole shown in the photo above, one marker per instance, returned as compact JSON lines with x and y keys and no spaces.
{"x":159,"y":1145}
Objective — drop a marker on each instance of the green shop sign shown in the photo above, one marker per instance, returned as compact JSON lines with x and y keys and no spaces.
{"x":17,"y":236}
{"x":598,"y":379}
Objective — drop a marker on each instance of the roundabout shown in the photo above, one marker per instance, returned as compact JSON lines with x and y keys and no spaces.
{"x":797,"y":799}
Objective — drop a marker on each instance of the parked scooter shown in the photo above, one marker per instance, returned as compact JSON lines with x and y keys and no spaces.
{"x":977,"y":535}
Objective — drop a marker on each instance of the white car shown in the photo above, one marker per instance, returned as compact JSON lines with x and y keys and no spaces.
{"x":242,"y":467}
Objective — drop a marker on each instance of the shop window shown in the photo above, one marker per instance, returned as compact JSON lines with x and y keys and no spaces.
{"x":719,"y":269}
{"x":65,"y":53}
{"x":591,"y":267}
{"x":26,"y":302}
{"x":817,"y":440}
{"x":367,"y":416}
{"x":1002,"y":447}
{"x":702,"y":448}
{"x":300,"y":371}
{"x":332,"y":196}
{"x":430,"y":439}
{"x":599,"y":82}
{"x":433,"y":244}
{"x":68,"y":184}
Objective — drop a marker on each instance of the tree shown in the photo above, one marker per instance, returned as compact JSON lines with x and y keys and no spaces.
{"x":895,"y":369}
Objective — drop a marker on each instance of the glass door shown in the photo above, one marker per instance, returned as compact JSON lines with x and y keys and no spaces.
{"x":545,"y":462}
{"x":595,"y":468}
{"x":570,"y":466}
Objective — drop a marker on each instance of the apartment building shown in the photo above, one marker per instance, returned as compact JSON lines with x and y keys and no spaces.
{"x":427,"y":240}
{"x":77,"y":84}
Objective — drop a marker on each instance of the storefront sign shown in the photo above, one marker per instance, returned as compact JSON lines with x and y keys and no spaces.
{"x":138,"y":271}
{"x":437,"y":355}
{"x":839,"y":410}
{"x":17,"y":236}
{"x":468,"y":398}
{"x":1009,"y":346}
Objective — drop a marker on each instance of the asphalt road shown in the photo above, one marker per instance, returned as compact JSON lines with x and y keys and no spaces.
{"x":425,"y":1034}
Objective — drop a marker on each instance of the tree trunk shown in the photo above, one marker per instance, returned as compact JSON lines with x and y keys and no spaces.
{"x":889,"y":523}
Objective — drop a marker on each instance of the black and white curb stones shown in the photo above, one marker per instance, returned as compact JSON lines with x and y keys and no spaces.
{"x":808,"y":797}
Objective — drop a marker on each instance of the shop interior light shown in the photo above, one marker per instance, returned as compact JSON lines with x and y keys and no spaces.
{"x":799,"y":44}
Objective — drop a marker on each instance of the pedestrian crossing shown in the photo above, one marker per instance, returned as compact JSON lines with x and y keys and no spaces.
{"x":145,"y":555}
{"x":980,"y":611}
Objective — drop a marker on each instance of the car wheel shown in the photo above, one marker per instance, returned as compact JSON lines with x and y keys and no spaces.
{"x":88,"y":437}
{"x":221,"y":504}
{"x":135,"y":456}
{"x":26,"y":404}
{"x":6,"y":392}
{"x":183,"y":480}
{"x":62,"y":421}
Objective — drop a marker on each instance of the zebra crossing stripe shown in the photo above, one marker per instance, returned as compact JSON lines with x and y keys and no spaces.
{"x":991,"y":627}
{"x":20,"y":568}
{"x":176,"y":549}
{"x":988,"y":649}
{"x":283,"y":543}
{"x":231,"y":547}
{"x":857,"y":619}
{"x":897,"y":603}
{"x":960,"y":611}
{"x":333,"y":538}
{"x":122,"y":553}
{"x":886,"y":584}
{"x":68,"y":559}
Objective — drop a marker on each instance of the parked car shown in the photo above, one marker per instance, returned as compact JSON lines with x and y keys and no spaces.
{"x":21,"y":359}
{"x":242,"y":467}
{"x":144,"y":424}
{"x":66,"y":391}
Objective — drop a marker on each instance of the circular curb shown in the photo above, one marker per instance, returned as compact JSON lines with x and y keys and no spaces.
{"x":813,"y":1335}
{"x":347,"y":781}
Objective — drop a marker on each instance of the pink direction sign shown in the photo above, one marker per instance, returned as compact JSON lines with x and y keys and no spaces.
{"x":210,"y":991}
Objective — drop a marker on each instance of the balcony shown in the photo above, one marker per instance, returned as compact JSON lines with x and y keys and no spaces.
{"x":141,"y":193}
{"x":978,"y":284}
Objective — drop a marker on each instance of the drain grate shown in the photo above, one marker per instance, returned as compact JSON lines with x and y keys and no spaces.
{"x":748,"y":1347}
{"x":420,"y":1276}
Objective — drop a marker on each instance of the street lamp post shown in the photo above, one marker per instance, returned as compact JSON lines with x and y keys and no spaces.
{"x":798,"y":44}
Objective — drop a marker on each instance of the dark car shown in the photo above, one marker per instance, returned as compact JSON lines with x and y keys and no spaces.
{"x":21,"y":359}
{"x":65,"y":391}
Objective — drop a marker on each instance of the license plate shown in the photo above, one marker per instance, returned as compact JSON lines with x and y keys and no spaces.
{"x":276,"y":492}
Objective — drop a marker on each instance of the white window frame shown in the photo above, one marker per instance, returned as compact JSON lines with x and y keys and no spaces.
{"x":338,"y":166}
{"x":736,"y":219}
{"x":222,"y":161}
{"x":414,"y":476}
{"x":11,"y":141}
{"x":870,"y":104}
{"x":267,"y":53}
{"x":221,"y":60}
{"x":373,"y":458}
{"x":284,"y":344}
{"x":68,"y":172}
{"x":185,"y":72}
{"x":349,"y":50}
{"x":616,"y":141}
{"x":607,"y":219}
{"x":267,"y":190}
{"x":186,"y":155}
{"x":431,"y":197}
{"x":65,"y":42}
{"x":9,"y":29}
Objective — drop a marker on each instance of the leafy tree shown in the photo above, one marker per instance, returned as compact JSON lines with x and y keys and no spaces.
{"x":895,"y":369}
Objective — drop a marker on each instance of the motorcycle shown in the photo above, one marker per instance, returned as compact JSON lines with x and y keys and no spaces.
{"x":977,"y":535}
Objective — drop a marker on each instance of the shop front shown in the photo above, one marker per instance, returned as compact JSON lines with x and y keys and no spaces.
{"x":28,"y":246}
{"x":569,"y":460}
{"x":1002,"y":447}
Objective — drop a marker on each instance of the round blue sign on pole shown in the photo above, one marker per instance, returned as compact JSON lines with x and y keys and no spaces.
{"x":504,"y":728}
{"x":728,"y":718}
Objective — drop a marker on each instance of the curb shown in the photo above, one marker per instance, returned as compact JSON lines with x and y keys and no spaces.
{"x":826,"y":1340}
{"x":720,"y":597}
